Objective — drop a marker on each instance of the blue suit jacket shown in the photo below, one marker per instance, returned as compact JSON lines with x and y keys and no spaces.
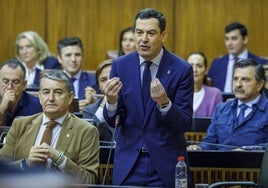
{"x":28,"y":105}
{"x":218,"y":69}
{"x":86,"y":79}
{"x":49,"y":63}
{"x":163,"y":135}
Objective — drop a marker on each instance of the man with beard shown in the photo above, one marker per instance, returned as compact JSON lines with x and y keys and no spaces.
{"x":242,"y":122}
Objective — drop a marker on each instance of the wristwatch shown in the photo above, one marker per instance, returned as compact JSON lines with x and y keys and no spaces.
{"x":163,"y":105}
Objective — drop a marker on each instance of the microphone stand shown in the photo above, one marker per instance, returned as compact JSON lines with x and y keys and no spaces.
{"x":117,"y":119}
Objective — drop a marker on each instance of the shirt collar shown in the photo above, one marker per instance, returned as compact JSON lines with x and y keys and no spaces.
{"x":250,"y":103}
{"x":58,"y":120}
{"x":155,"y":60}
{"x":77,"y":76}
{"x":243,"y":55}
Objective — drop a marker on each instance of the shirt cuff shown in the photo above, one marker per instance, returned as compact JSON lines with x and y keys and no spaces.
{"x":111,"y":108}
{"x":165,"y":109}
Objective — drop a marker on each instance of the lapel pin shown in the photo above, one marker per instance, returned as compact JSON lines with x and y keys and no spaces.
{"x":168,"y":72}
{"x":67,"y":135}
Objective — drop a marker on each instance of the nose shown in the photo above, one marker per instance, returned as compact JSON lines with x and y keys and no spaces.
{"x":51,"y":96}
{"x":73,"y":58}
{"x":145,"y":37}
{"x":9,"y":85}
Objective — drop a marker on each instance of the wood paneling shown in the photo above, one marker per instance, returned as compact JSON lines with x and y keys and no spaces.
{"x":17,"y":16}
{"x":200,"y":25}
{"x":192,"y":24}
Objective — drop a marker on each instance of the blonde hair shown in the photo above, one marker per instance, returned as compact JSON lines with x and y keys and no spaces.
{"x":38,"y":43}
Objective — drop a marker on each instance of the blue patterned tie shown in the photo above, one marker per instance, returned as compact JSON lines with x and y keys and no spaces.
{"x":72,"y":79}
{"x":146,"y":81}
{"x":241,"y":115}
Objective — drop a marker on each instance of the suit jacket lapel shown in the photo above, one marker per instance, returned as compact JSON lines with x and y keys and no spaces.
{"x":32,"y":130}
{"x":66,"y":134}
{"x":163,"y":73}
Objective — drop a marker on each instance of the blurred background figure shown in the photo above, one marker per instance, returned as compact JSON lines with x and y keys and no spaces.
{"x":33,"y":52}
{"x":205,"y":97}
{"x":126,"y":41}
{"x":95,"y":111}
{"x":71,"y":56}
{"x":14,"y":100}
{"x":222,"y":69}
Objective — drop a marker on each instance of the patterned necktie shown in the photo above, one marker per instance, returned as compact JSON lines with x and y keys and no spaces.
{"x":241,"y":115}
{"x":47,"y":136}
{"x":72,"y":79}
{"x":146,"y":82}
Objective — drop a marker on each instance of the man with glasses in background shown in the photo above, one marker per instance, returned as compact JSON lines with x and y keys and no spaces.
{"x":14,"y":101}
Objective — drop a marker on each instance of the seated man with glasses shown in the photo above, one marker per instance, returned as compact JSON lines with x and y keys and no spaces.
{"x":14,"y":101}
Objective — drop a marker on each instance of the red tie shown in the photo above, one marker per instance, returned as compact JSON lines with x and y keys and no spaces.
{"x":48,"y":132}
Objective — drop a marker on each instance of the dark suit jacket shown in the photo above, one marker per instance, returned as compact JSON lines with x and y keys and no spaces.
{"x":163,"y":135}
{"x":218,"y":69}
{"x":104,"y":129}
{"x":86,"y":79}
{"x":78,"y":140}
{"x":49,"y":63}
{"x":28,"y":105}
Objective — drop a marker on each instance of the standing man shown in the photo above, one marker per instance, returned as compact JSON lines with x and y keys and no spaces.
{"x":222,"y":69}
{"x":71,"y":148}
{"x":70,"y":56}
{"x":14,"y":101}
{"x":150,"y":135}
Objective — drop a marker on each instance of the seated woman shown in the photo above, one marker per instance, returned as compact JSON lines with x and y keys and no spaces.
{"x":205,"y":98}
{"x":126,"y":41}
{"x":95,"y":111}
{"x":33,"y":52}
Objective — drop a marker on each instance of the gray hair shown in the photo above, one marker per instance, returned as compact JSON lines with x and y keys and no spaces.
{"x":58,"y":75}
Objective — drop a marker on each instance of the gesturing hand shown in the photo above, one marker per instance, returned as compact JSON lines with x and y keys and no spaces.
{"x":111,"y":89}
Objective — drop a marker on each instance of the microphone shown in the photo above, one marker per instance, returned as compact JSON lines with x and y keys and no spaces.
{"x":212,"y":144}
{"x":116,"y":123}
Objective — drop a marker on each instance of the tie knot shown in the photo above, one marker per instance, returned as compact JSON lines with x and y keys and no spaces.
{"x":51,"y":124}
{"x":72,"y":79}
{"x":147,"y":64}
{"x":243,"y":107}
{"x":236,"y":59}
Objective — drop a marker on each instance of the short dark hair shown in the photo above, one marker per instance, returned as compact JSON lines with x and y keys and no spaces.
{"x":237,"y":25}
{"x":69,"y":41}
{"x":58,"y":75}
{"x":152,"y":13}
{"x":14,"y":63}
{"x":259,"y":72}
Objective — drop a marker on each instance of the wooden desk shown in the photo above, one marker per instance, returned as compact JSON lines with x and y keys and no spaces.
{"x":208,"y":166}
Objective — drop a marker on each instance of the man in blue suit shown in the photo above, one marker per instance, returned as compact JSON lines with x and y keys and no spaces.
{"x":150,"y":135}
{"x":70,"y":56}
{"x":14,"y":101}
{"x":221,"y":69}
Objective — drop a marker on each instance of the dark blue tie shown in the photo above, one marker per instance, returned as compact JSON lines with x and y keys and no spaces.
{"x":72,"y":79}
{"x":146,"y":81}
{"x":241,"y":115}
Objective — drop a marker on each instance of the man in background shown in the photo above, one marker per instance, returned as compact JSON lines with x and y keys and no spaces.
{"x":242,"y":122}
{"x":70,"y":56}
{"x":222,"y":69}
{"x":14,"y":101}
